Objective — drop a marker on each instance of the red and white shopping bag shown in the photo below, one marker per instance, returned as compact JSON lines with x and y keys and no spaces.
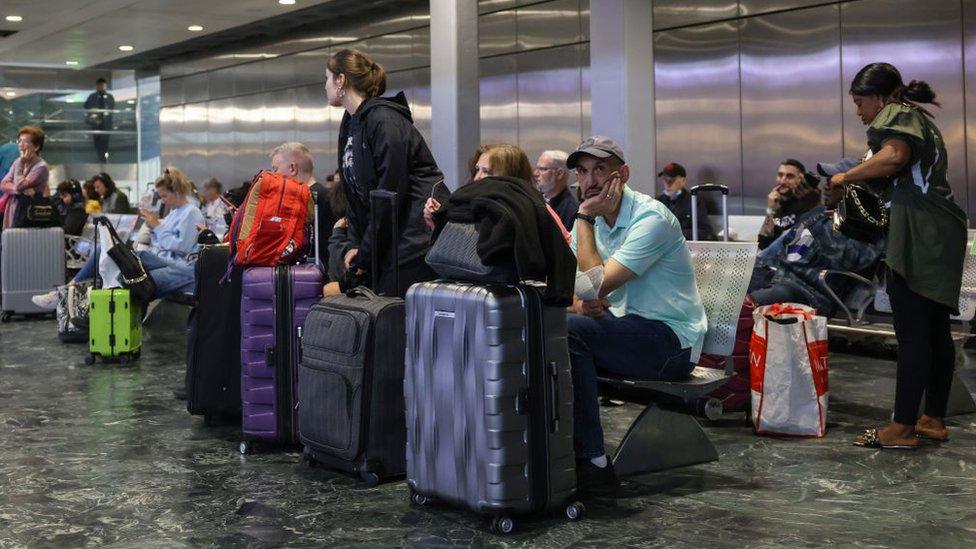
{"x":788,"y":369}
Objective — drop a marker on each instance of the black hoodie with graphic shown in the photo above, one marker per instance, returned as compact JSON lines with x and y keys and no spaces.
{"x":379,"y":148}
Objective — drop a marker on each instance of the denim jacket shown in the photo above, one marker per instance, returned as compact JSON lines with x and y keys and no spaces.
{"x":810,"y":246}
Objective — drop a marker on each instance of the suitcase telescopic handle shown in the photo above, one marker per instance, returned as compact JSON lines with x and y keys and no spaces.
{"x":694,"y":207}
{"x":554,"y":396}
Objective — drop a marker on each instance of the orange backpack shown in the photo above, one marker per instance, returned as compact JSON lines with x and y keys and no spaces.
{"x":271,"y":225}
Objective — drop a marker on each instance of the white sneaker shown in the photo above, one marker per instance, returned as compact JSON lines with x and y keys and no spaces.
{"x":46,"y":301}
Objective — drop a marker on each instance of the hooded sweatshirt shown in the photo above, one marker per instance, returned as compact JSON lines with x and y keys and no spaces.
{"x":379,"y":148}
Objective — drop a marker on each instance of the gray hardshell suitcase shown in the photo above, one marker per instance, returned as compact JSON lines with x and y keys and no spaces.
{"x":32,"y":262}
{"x":489,"y":401}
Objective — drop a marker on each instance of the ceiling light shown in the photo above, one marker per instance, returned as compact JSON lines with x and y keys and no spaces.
{"x":125,"y":48}
{"x":72,"y":63}
{"x":195,"y":28}
{"x":18,"y":19}
{"x":10,"y":93}
{"x":131,"y":101}
{"x":286,"y":2}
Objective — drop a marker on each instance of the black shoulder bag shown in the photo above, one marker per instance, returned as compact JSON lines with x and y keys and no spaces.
{"x":861,"y":215}
{"x":132,"y":274}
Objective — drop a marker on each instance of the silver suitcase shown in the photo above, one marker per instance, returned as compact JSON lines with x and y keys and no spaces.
{"x":32,"y":262}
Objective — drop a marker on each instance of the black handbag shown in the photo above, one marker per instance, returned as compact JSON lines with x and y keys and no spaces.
{"x":132,"y":274}
{"x":34,"y":212}
{"x":454,"y":256}
{"x":862,"y":215}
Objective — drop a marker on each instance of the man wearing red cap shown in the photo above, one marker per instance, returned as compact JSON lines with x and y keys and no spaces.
{"x":678,"y":200}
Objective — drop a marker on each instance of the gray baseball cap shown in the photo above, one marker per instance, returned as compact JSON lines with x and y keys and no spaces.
{"x":830,"y":170}
{"x":599,"y":146}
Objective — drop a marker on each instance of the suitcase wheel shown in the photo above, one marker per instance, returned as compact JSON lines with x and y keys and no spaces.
{"x":5,"y":317}
{"x":418,"y":499}
{"x":123,"y":359}
{"x":244,"y":448}
{"x":90,"y":359}
{"x":369,"y":477}
{"x":575,"y":510}
{"x":502,"y":525}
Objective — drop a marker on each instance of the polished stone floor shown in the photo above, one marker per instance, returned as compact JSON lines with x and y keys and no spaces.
{"x":105,"y":456}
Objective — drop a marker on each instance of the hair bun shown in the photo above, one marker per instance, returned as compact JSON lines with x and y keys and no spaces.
{"x":919,"y":91}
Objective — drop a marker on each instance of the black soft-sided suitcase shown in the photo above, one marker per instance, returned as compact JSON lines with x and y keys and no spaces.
{"x":350,"y":385}
{"x":213,"y":339}
{"x":350,"y":375}
{"x":489,"y":401}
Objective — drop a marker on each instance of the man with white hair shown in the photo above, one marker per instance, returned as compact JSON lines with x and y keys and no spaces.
{"x":294,"y":160}
{"x":552,"y":178}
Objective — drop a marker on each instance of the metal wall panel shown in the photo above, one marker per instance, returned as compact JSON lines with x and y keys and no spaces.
{"x":922,"y":39}
{"x":221,"y":83}
{"x":494,"y":5}
{"x":757,"y":7}
{"x":196,"y":88}
{"x":310,"y":66}
{"x":969,"y":35}
{"x":279,"y":118}
{"x":549,"y":100}
{"x":497,"y":33}
{"x":196,"y":158}
{"x":548,"y":24}
{"x":674,"y":13}
{"x":170,"y":129}
{"x":171,"y":92}
{"x":220,"y":126}
{"x":585,"y":108}
{"x":790,"y":71}
{"x":696,"y":86}
{"x":249,"y":153}
{"x":499,"y":100}
{"x":313,"y":127}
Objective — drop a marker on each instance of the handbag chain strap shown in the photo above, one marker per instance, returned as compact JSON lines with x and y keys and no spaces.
{"x":883,"y":222}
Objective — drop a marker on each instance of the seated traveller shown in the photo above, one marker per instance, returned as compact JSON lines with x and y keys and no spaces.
{"x":781,"y":202}
{"x":173,"y":240}
{"x":624,"y":327}
{"x":552,"y":179}
{"x":71,"y":206}
{"x":214,"y":209}
{"x":789,"y":269}
{"x":498,"y":160}
{"x":678,"y":200}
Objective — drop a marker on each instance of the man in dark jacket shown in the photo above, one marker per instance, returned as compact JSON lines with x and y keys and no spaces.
{"x":552,"y":179}
{"x":678,"y":200}
{"x":785,"y":202}
{"x":99,"y":117}
{"x":381,"y":149}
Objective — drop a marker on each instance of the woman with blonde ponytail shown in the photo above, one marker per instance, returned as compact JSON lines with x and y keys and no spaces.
{"x":380,"y":148}
{"x":173,"y":241}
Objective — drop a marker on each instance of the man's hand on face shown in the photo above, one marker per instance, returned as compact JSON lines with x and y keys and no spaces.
{"x":607,"y":200}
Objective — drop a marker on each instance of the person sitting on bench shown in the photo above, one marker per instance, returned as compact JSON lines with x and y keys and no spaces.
{"x":169,"y":260}
{"x":789,"y":269}
{"x":622,"y":325}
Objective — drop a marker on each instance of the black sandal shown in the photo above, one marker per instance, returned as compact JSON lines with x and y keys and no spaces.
{"x":870,"y":439}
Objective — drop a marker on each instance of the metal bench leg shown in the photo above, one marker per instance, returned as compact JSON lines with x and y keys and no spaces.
{"x":660,"y":439}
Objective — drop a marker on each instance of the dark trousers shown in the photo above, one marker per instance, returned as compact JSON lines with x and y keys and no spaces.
{"x":630,"y":346}
{"x":101,"y":146}
{"x":926,"y":356}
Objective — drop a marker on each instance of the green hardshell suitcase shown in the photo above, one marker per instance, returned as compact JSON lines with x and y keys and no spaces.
{"x":115,"y":325}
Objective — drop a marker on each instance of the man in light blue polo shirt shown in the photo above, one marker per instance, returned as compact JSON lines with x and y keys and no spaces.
{"x":646,"y":320}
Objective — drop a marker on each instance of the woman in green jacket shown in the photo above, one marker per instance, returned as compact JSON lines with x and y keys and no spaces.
{"x":926,"y":247}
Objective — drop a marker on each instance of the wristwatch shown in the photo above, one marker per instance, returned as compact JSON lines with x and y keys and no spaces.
{"x":588,"y":218}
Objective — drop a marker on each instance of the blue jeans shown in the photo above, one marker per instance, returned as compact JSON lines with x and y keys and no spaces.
{"x":630,"y":346}
{"x":170,"y":275}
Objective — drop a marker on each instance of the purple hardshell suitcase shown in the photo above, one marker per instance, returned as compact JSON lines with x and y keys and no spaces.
{"x":274,"y":304}
{"x":275,"y":301}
